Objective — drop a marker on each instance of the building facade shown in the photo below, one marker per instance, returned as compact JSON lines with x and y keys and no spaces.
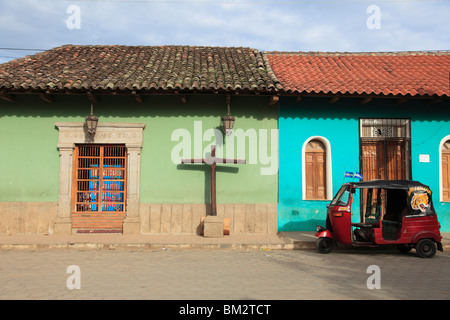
{"x":383,"y":116}
{"x":155,"y":106}
{"x":303,"y":121}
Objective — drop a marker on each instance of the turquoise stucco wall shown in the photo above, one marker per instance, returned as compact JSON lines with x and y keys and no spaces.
{"x":427,"y":132}
{"x":339,"y":124}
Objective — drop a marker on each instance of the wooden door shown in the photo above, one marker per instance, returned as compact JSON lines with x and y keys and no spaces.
{"x":395,"y":160}
{"x":384,"y":159}
{"x":373,"y":160}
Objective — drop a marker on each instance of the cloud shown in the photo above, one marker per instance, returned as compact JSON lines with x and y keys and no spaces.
{"x":303,"y":26}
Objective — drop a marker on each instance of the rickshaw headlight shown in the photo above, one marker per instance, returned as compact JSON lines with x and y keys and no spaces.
{"x":320,"y":228}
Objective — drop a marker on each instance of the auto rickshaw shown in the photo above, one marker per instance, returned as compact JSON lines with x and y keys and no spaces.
{"x":392,"y":212}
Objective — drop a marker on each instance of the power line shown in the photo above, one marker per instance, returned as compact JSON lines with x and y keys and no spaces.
{"x":23,"y":49}
{"x":251,"y":2}
{"x":10,"y":57}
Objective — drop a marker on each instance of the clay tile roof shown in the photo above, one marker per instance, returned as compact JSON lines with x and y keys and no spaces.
{"x":402,"y":74}
{"x":149,"y":68}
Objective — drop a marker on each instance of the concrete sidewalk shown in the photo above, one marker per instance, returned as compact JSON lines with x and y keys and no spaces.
{"x":282,"y":240}
{"x":285,"y":240}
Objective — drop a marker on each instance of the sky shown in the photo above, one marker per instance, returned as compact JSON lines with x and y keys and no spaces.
{"x":266,"y":25}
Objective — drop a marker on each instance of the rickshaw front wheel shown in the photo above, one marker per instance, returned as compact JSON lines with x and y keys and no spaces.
{"x":426,"y":248}
{"x":324,"y":245}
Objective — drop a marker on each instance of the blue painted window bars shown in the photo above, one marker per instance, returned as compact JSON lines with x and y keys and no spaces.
{"x":99,"y":178}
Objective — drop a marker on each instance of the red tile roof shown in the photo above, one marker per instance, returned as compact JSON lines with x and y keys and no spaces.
{"x":72,"y":68}
{"x":77,"y":68}
{"x":398,"y":74}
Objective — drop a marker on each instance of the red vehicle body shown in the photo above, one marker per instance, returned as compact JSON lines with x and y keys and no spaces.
{"x":398,"y":212}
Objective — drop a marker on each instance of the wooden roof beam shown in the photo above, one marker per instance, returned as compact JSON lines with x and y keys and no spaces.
{"x":366,"y":100}
{"x":137,"y":96}
{"x":47,"y":97}
{"x":432,"y":101}
{"x":400,"y":101}
{"x":7,"y":97}
{"x":273,"y":100}
{"x":92,"y":97}
{"x":333,"y":99}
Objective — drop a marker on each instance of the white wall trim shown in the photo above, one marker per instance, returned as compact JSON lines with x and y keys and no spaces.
{"x":441,"y":144}
{"x":329,"y":174}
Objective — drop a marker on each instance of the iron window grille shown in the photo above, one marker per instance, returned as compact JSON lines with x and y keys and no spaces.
{"x":100,"y":178}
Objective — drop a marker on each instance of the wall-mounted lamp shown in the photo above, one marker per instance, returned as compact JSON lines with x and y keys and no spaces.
{"x":91,"y":122}
{"x":228,"y":120}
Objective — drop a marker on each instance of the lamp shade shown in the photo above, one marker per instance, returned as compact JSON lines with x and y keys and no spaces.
{"x":91,"y":124}
{"x":228,"y":123}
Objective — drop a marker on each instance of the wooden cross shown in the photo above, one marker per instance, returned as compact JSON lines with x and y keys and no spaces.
{"x":212,"y":160}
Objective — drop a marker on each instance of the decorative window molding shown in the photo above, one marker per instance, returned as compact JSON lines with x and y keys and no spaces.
{"x":385,"y":128}
{"x":328,"y":165}
{"x":442,"y":146}
{"x":72,"y":133}
{"x":385,"y":148}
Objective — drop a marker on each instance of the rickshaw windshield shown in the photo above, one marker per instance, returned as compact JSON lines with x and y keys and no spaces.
{"x":342,"y":197}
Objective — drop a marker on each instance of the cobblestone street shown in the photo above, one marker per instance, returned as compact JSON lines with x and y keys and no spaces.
{"x":222,"y":274}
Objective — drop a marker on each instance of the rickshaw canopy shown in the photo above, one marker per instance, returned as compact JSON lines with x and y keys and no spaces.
{"x":419,"y":197}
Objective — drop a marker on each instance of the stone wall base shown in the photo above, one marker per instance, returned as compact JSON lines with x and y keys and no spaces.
{"x":40,"y":218}
{"x":186,"y":218}
{"x":27,"y":217}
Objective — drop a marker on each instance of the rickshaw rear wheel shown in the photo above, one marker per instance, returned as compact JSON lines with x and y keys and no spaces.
{"x":324,"y":245}
{"x":426,"y":248}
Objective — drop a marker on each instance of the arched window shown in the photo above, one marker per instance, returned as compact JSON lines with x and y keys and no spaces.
{"x":445,"y":170}
{"x":315,"y":170}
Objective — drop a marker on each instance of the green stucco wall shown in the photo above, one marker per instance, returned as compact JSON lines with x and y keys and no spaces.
{"x":29,"y":165}
{"x":29,"y":162}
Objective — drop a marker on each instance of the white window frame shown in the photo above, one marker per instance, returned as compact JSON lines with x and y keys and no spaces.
{"x":441,"y":145}
{"x":328,"y":168}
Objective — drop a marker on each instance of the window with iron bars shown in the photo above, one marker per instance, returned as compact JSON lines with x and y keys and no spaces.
{"x":99,"y":178}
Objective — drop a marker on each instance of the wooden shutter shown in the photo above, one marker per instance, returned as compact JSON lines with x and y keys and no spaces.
{"x":372,"y":160}
{"x":395,"y":160}
{"x":446,"y":171}
{"x":315,"y":166}
{"x":384,"y":160}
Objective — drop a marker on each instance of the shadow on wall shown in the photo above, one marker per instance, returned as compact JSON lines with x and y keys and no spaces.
{"x":115,"y":108}
{"x":306,"y":225}
{"x":206,"y":168}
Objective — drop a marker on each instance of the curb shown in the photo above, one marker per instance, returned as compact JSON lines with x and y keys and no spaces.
{"x":296,"y":245}
{"x":284,"y":242}
{"x":145,"y":246}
